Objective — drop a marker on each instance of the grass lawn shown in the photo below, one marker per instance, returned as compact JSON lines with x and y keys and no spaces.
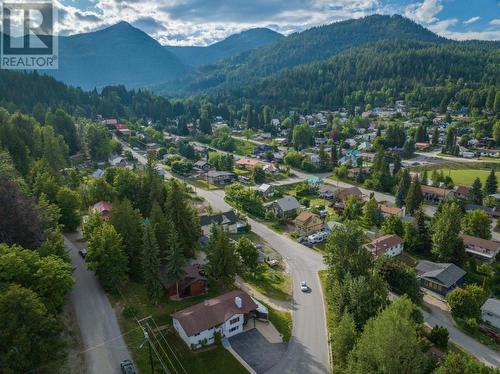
{"x":243,"y":147}
{"x":275,"y":284}
{"x":465,"y":176}
{"x":216,"y":360}
{"x":329,"y":313}
{"x":281,"y":320}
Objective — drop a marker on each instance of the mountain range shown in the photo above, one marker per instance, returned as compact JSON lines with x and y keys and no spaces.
{"x":320,"y":66}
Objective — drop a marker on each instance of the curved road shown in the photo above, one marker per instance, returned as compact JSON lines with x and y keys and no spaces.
{"x":308,"y":349}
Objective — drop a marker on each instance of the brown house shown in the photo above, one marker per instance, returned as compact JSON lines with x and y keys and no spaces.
{"x":193,"y":284}
{"x":434,"y":194}
{"x":351,"y":191}
{"x":307,"y":223}
{"x":482,"y":249}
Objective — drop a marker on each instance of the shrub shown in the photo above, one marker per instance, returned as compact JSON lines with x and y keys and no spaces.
{"x":439,"y":336}
{"x":130,"y":311}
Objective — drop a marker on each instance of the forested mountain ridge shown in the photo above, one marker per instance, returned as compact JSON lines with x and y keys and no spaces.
{"x":313,"y":45}
{"x":120,"y":54}
{"x":231,"y":46}
{"x":422,"y":72}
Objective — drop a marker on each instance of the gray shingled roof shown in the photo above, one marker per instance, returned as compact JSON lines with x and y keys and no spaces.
{"x":228,"y":217}
{"x":446,"y":274}
{"x":288,"y":203}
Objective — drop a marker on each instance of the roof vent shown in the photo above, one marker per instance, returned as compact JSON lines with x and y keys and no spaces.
{"x":237,"y":301}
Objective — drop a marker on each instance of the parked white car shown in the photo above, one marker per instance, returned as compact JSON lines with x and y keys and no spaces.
{"x":317,"y":237}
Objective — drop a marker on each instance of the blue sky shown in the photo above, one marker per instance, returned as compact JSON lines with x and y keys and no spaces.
{"x":202,"y":22}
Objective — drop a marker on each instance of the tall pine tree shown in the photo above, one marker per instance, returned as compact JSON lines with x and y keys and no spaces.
{"x":151,"y":265}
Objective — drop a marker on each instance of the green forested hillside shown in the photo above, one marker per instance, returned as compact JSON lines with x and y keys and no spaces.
{"x":426,"y":74}
{"x":315,"y":44}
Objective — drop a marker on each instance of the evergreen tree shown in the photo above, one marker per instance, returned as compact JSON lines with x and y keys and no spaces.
{"x":175,"y":257}
{"x":106,"y":257}
{"x":127,"y":222}
{"x":435,"y":136}
{"x":372,"y":216}
{"x":151,"y":265}
{"x":184,"y":217}
{"x":222,"y":260}
{"x":259,"y":176}
{"x":403,"y":186}
{"x":423,"y":239}
{"x":248,"y":253}
{"x":334,"y":156}
{"x":414,"y":197}
{"x":477,"y":223}
{"x":447,"y":245}
{"x":160,"y":226}
{"x":476,"y":192}
{"x":392,"y":225}
{"x":491,"y":185}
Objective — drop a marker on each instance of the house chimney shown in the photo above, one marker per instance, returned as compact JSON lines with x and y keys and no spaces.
{"x":237,"y":301}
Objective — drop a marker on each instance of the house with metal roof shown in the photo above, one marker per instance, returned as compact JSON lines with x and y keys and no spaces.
{"x":439,"y":277}
{"x":284,"y":207}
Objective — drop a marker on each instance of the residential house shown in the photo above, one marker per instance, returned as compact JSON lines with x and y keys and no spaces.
{"x":266,"y":190}
{"x":227,"y":220}
{"x":461,"y":192}
{"x":389,"y":245}
{"x":492,"y":212}
{"x":201,"y":165}
{"x":221,"y":177}
{"x":284,"y":207}
{"x":328,"y":192}
{"x":435,"y":194}
{"x":320,"y":141}
{"x":270,"y":169}
{"x":421,"y":146}
{"x":307,"y":223}
{"x":353,"y":172}
{"x":490,"y":312}
{"x":314,"y":181}
{"x":439,"y":277}
{"x":225,"y":314}
{"x":388,"y":210}
{"x":97,"y":174}
{"x":152,"y":147}
{"x":350,"y":191}
{"x":103,"y":208}
{"x":247,"y":163}
{"x":118,"y":162}
{"x":262,"y":149}
{"x":331,"y":225}
{"x":365,"y":146}
{"x":482,"y":249}
{"x":122,"y":130}
{"x":193,"y":283}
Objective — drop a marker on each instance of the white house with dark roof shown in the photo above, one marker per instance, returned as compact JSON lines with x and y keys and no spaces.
{"x":490,"y":312}
{"x":225,"y":314}
{"x":482,"y":249}
{"x":388,"y":245}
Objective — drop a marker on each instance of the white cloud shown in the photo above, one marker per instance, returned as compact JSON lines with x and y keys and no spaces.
{"x":495,"y":22}
{"x":424,"y":12}
{"x":471,"y":20}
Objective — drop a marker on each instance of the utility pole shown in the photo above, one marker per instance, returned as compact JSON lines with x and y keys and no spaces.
{"x":146,"y":335}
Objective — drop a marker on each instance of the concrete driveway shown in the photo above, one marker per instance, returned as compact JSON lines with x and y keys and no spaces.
{"x":257,"y":352}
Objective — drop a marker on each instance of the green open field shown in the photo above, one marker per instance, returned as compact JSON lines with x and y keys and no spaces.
{"x":466,"y":177}
{"x":462,"y":173}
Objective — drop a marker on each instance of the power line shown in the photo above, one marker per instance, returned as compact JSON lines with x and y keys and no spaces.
{"x":161,"y":347}
{"x":169,"y":347}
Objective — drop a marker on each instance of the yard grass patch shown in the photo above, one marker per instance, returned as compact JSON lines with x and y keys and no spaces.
{"x":466,"y":176}
{"x":281,"y":320}
{"x":272,"y":283}
{"x":212,"y":361}
{"x":243,"y":147}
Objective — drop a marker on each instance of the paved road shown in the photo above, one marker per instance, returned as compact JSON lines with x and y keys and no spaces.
{"x":104,"y":346}
{"x":442,"y":317}
{"x":308,"y":349}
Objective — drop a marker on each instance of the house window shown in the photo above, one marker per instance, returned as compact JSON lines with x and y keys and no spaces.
{"x":234,"y":320}
{"x":233,"y":329}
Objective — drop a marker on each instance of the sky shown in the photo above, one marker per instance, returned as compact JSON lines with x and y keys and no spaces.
{"x":203,"y":22}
